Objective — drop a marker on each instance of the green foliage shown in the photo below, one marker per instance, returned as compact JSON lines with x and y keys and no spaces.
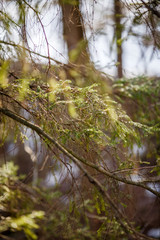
{"x":100,"y":205}
{"x":8,"y":173}
{"x":111,"y":229}
{"x":85,"y":116}
{"x":3,"y":74}
{"x":69,"y":222}
{"x":143,"y":93}
{"x":87,"y":122}
{"x":26,"y":223}
{"x":17,"y":203}
{"x":157,"y":167}
{"x":97,"y":116}
{"x":20,"y":202}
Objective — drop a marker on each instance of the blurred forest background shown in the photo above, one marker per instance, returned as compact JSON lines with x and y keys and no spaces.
{"x":80,"y":119}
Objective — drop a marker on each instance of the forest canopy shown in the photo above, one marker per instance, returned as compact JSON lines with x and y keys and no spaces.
{"x":79,"y":147}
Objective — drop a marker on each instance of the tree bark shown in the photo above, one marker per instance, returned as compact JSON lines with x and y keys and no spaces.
{"x":73,"y":31}
{"x":118,"y":36}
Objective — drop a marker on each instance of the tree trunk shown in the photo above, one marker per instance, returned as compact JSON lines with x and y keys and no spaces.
{"x":73,"y":31}
{"x":118,"y":36}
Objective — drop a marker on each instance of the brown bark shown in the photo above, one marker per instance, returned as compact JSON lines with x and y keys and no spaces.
{"x":118,"y":36}
{"x":73,"y":31}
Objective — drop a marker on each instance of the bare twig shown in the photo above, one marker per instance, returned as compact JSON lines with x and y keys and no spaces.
{"x":44,"y":32}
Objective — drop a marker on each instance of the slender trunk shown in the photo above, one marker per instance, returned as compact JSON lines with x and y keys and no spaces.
{"x":73,"y":31}
{"x":118,"y":36}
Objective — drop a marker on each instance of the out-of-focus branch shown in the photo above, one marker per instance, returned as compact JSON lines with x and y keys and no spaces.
{"x":154,"y":11}
{"x":29,"y":50}
{"x":64,"y":65}
{"x":42,"y":26}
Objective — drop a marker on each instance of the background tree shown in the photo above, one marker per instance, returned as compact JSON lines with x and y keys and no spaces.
{"x":74,"y":32}
{"x":118,"y":35}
